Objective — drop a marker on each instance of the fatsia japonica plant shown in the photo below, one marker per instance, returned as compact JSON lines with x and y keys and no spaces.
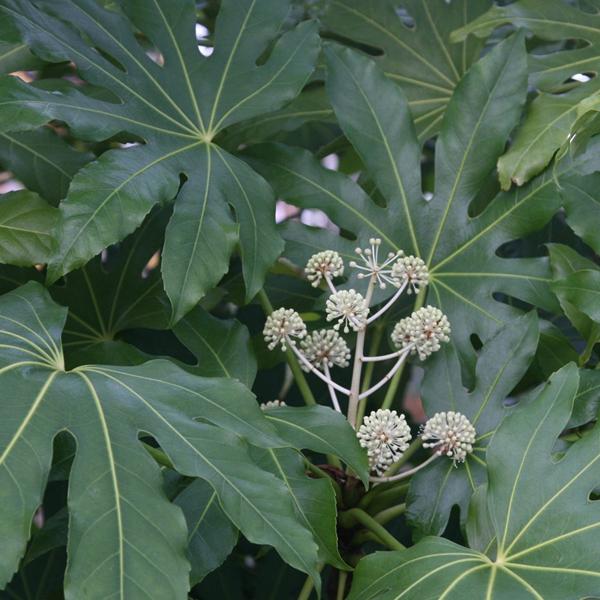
{"x":299,"y":299}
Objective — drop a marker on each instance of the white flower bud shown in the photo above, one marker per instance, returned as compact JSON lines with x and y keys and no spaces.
{"x":451,"y":433}
{"x":412,"y":270}
{"x":425,"y":329}
{"x":325,"y":347}
{"x":349,"y":308}
{"x":282,"y":324}
{"x":385,"y":435}
{"x":272,"y":404}
{"x":328,"y":263}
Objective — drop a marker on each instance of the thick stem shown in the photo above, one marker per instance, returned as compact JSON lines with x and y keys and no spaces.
{"x":388,"y":514}
{"x":301,"y":382}
{"x":358,"y":362}
{"x":369,"y":369}
{"x":341,"y":588}
{"x":404,"y":474}
{"x":356,"y":515}
{"x":308,"y":586}
{"x":332,"y":394}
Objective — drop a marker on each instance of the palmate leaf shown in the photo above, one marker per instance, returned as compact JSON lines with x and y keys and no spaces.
{"x":125,"y":539}
{"x":42,"y":161}
{"x":177,"y":110}
{"x":502,"y":362}
{"x":551,"y":117}
{"x":461,"y":250}
{"x":415,"y":50}
{"x":540,"y":519}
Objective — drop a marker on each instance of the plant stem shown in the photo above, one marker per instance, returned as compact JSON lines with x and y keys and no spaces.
{"x":332,"y":394}
{"x":369,"y":369}
{"x":301,"y":382}
{"x":307,"y":589}
{"x":390,"y":513}
{"x":382,"y":497}
{"x":356,"y":515}
{"x":341,"y":589}
{"x":414,"y":446}
{"x":388,"y":304}
{"x":357,"y":368}
{"x":159,"y":456}
{"x":387,"y":376}
{"x":404,"y":474}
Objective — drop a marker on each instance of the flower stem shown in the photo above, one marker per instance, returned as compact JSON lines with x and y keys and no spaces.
{"x":308,"y":586}
{"x":369,"y":369}
{"x":353,"y":516}
{"x":414,"y":446}
{"x":404,"y":474}
{"x":341,"y":589}
{"x":301,"y":382}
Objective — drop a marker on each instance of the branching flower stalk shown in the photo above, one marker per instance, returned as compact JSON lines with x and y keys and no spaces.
{"x":383,"y":433}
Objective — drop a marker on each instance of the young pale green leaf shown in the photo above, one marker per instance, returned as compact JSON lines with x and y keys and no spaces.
{"x":466,"y":273}
{"x":414,"y":47}
{"x":539,"y":509}
{"x":177,"y":111}
{"x":223,"y":347}
{"x":548,"y":126}
{"x":42,"y":161}
{"x":125,"y":539}
{"x":323,"y":430}
{"x":26,"y":229}
{"x":502,"y":362}
{"x":314,"y":499}
{"x":211,"y":535}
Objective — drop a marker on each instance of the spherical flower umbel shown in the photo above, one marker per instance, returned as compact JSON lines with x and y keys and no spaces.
{"x":349,"y":308}
{"x":370,"y":266}
{"x":451,"y":434}
{"x":324,"y":264}
{"x":413,"y":271}
{"x":325,"y":347}
{"x":272,"y":404}
{"x":423,"y":331}
{"x":282,"y":325}
{"x":385,"y":434}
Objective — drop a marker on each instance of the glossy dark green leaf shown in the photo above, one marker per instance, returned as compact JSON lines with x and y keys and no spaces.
{"x":125,"y":538}
{"x":177,"y":110}
{"x":323,"y":430}
{"x":413,"y":47}
{"x":582,"y":205}
{"x":540,"y":513}
{"x":582,"y":290}
{"x":211,"y":535}
{"x":26,"y":229}
{"x":502,"y":362}
{"x":314,"y":499}
{"x":42,"y":161}
{"x":223,"y":347}
{"x":467,"y":274}
{"x":587,"y":400}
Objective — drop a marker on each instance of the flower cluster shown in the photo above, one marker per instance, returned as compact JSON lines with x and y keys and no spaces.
{"x":385,"y":434}
{"x":272,"y":404}
{"x":371,"y":267}
{"x":325,"y":347}
{"x":412,"y":270}
{"x":451,"y":434}
{"x":422,"y":332}
{"x":349,"y":308}
{"x":328,"y":264}
{"x":282,"y":325}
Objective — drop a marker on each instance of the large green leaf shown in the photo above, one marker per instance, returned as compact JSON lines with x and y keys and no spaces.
{"x":467,"y":273}
{"x":414,"y":47}
{"x":211,"y":535}
{"x":42,"y":161}
{"x":26,"y":229}
{"x":502,"y":362}
{"x":177,"y":110}
{"x":323,"y":430}
{"x":125,"y":539}
{"x":223,"y":347}
{"x":543,"y":526}
{"x":551,"y":118}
